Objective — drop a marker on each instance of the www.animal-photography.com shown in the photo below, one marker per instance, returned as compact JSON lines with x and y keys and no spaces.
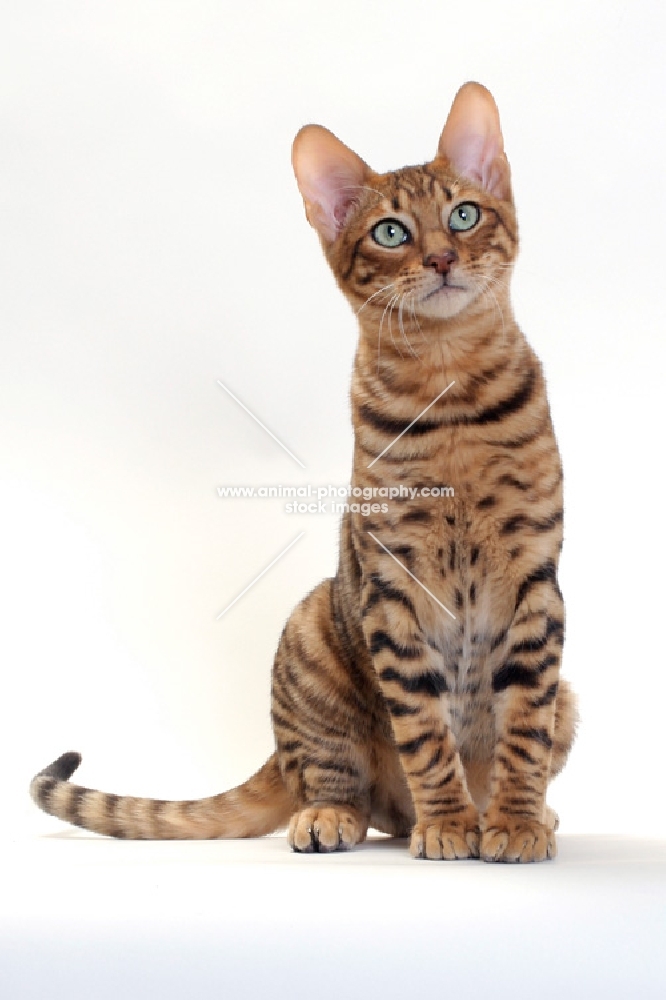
{"x":331,"y":646}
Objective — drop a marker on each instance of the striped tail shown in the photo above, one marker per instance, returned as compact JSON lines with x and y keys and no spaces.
{"x":257,"y":807}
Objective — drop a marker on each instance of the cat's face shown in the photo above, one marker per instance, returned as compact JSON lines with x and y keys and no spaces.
{"x":428,"y":241}
{"x":424,"y":241}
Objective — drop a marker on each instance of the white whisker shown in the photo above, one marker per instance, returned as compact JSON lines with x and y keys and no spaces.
{"x":414,"y":316}
{"x":389,"y":307}
{"x":374,"y":294}
{"x":390,"y":327}
{"x":402,"y":328}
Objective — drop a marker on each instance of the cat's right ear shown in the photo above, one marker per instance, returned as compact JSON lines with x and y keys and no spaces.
{"x":329,"y":176}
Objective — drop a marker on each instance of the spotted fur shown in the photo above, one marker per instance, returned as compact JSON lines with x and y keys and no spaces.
{"x":418,"y":691}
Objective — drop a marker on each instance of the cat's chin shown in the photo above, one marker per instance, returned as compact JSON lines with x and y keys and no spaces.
{"x":444,"y":303}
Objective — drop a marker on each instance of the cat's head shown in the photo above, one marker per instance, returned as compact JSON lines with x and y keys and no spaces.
{"x":441,"y":237}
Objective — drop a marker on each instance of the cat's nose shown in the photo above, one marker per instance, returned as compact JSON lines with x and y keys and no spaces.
{"x":441,"y":261}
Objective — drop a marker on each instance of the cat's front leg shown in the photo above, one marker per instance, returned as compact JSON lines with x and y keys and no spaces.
{"x":517,"y":825}
{"x":412,"y":681}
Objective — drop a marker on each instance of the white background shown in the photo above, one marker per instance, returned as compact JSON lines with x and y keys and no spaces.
{"x":152,"y":241}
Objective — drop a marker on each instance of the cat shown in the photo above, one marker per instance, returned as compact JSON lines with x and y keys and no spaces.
{"x":418,"y":690}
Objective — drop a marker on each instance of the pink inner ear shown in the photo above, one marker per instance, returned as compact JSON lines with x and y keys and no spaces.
{"x":472,"y":140}
{"x":337,"y":191}
{"x":475,"y":158}
{"x":329,"y":177}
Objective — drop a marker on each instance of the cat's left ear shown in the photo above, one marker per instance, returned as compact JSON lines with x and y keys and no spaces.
{"x":472,"y":140}
{"x":329,"y":177}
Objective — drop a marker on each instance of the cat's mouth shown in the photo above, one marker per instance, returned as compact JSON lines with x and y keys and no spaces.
{"x":445,"y":287}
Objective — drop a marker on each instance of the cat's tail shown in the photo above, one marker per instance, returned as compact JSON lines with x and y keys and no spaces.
{"x":258,"y":806}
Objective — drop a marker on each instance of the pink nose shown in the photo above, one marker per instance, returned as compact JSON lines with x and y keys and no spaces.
{"x":441,"y":261}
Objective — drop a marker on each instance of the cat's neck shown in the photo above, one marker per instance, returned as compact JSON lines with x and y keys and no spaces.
{"x":419,"y":357}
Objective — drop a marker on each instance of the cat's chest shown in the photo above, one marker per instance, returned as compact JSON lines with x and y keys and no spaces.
{"x":450,"y":557}
{"x":446,"y":556}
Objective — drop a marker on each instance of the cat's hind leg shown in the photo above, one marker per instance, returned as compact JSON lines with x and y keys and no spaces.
{"x":322,"y":708}
{"x":325,"y":828}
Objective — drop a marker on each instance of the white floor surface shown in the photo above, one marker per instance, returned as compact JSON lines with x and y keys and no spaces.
{"x":81,"y":916}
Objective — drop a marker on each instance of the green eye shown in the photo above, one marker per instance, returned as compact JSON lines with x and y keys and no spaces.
{"x":391,"y":233}
{"x":464,"y":216}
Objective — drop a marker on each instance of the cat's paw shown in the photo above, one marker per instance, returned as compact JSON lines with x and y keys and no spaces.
{"x":446,"y":839}
{"x":513,"y":839}
{"x":326,"y":828}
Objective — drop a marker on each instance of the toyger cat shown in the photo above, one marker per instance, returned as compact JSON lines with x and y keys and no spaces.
{"x":417,"y":691}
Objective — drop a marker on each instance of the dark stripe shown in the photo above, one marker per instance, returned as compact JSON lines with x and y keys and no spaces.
{"x":416,"y":515}
{"x":512,"y":481}
{"x":529,"y":645}
{"x":521,"y":752}
{"x":394,"y":427}
{"x":43,"y":793}
{"x":539,"y":735}
{"x":439,"y":784}
{"x":331,"y":766}
{"x":547,"y":698}
{"x":490,"y":374}
{"x":73,"y":809}
{"x":113,"y":828}
{"x":349,"y":270}
{"x":505,"y":762}
{"x":498,"y":639}
{"x":431,"y":684}
{"x":451,"y":811}
{"x":384,"y":591}
{"x":544,"y":573}
{"x":405,"y":551}
{"x":492,"y":414}
{"x":380,"y":640}
{"x":398,"y":709}
{"x":519,"y":521}
{"x":411,"y":747}
{"x":515,"y":402}
{"x":447,"y":800}
{"x":514,"y":674}
{"x":279,"y":720}
{"x":433,"y":762}
{"x":555,"y":628}
{"x":524,"y":676}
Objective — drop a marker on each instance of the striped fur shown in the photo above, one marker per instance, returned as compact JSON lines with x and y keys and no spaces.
{"x":387,"y":710}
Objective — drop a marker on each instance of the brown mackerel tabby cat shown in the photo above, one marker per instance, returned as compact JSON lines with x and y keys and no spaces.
{"x":418,"y":691}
